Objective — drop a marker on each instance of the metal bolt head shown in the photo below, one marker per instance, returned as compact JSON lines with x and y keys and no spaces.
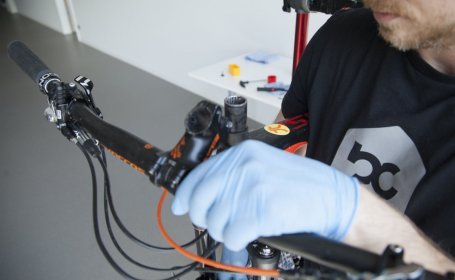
{"x":397,"y":249}
{"x":50,"y":115}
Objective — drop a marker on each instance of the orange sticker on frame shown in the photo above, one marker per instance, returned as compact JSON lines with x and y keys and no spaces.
{"x":277,"y":129}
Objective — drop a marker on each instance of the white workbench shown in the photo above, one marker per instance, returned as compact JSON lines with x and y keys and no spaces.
{"x":262,"y":106}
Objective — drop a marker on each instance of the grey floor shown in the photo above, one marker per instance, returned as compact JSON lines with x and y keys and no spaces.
{"x":45,"y":189}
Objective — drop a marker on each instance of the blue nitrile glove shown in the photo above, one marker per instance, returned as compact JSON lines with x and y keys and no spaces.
{"x":239,"y":258}
{"x":254,"y":190}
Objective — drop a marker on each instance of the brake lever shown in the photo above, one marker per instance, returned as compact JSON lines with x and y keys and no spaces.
{"x":87,"y":85}
{"x":60,"y":97}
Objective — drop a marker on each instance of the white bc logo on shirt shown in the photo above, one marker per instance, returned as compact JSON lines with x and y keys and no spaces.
{"x":385,"y":159}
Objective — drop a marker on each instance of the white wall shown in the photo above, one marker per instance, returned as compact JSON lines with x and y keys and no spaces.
{"x":11,"y":6}
{"x":51,"y":13}
{"x":171,"y":38}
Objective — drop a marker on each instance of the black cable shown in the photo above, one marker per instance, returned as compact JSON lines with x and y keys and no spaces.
{"x":103,"y":156}
{"x":95,"y":217}
{"x":111,"y":233}
{"x":99,"y":240}
{"x":131,"y":236}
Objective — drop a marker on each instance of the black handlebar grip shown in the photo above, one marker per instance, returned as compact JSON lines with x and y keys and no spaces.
{"x":27,"y":60}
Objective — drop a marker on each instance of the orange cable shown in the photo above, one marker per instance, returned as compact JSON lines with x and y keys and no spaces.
{"x":243,"y":270}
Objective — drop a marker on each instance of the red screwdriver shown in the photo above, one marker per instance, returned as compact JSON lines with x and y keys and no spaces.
{"x":270,"y":79}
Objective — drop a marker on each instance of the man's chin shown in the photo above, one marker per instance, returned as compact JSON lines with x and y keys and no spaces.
{"x":398,"y":41}
{"x":411,"y":41}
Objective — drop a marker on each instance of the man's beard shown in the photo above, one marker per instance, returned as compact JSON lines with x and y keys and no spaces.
{"x":420,"y":38}
{"x":414,"y":31}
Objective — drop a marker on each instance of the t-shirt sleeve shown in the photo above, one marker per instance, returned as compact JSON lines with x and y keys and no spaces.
{"x":295,"y":102}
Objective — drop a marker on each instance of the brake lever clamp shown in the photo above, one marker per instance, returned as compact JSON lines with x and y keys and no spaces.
{"x":84,"y":138}
{"x":60,"y":97}
{"x":87,"y":85}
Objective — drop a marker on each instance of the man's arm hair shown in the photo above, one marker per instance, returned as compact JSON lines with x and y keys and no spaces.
{"x":377,"y":224}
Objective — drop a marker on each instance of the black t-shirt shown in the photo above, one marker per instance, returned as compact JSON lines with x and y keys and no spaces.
{"x":382,"y":115}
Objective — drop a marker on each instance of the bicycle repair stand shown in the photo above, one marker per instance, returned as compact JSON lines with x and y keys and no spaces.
{"x":301,"y":33}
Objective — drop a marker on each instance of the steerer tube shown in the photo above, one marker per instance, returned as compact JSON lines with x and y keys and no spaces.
{"x":235,"y":111}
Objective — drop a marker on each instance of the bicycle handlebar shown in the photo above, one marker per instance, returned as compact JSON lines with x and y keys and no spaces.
{"x":27,"y":60}
{"x":136,"y":152}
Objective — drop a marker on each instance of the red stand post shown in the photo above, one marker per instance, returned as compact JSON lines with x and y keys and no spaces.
{"x":301,"y":34}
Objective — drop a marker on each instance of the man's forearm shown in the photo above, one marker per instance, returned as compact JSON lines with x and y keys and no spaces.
{"x":377,"y":225}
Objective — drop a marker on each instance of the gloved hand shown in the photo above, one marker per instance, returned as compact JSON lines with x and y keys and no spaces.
{"x":254,"y":190}
{"x":239,"y":258}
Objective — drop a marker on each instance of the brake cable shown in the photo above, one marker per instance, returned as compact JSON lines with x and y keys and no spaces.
{"x":107,"y":193}
{"x":205,"y":261}
{"x":99,"y":240}
{"x":125,"y":230}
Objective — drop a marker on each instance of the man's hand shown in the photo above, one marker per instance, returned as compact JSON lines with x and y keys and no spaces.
{"x":254,"y":190}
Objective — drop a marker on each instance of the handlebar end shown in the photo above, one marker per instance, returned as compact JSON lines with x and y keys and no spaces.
{"x":27,"y":60}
